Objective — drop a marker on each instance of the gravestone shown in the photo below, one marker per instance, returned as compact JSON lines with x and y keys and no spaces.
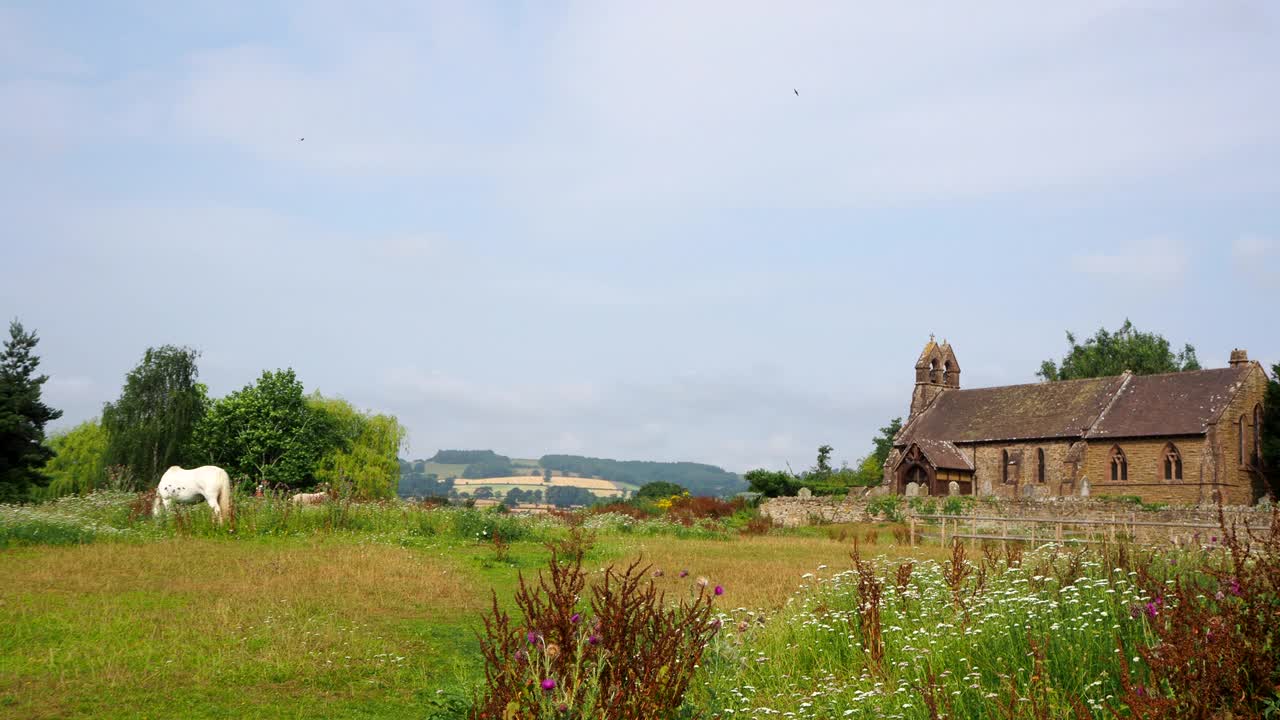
{"x":1084,"y":487}
{"x":804,"y":493}
{"x":911,"y":490}
{"x":953,"y":488}
{"x":984,"y":487}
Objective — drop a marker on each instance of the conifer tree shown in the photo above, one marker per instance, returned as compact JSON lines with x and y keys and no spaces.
{"x":23,"y":416}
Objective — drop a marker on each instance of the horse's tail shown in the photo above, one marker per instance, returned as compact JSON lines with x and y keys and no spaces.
{"x":224,"y":494}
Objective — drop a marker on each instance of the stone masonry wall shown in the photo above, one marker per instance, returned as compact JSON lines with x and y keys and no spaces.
{"x":1145,"y":460}
{"x":987,"y":460}
{"x":794,"y":512}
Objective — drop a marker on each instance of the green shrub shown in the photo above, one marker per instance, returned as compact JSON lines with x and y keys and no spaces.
{"x":888,"y":507}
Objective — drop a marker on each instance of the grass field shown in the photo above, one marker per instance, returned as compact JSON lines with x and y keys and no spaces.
{"x":370,"y":610}
{"x":332,"y":626}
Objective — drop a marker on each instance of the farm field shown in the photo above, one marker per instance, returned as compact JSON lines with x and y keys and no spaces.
{"x":602,"y":488}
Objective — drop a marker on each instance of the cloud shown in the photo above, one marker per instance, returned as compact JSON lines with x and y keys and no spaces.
{"x":1158,"y":260}
{"x":579,"y":110}
{"x":1258,"y":259}
{"x":736,"y":419}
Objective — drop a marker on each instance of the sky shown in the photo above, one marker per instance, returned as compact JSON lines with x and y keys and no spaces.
{"x":708,"y":231}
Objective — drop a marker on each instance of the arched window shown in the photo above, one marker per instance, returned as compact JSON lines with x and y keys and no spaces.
{"x":1243,"y":425}
{"x":934,"y":375}
{"x":1119,"y":466}
{"x":1172,"y":462}
{"x":1039,"y":464}
{"x":946,"y":373}
{"x":1004,"y":466}
{"x":1257,"y":434}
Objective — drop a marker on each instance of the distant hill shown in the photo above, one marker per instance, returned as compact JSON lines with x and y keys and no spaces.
{"x":437,"y":474}
{"x":698,"y":478}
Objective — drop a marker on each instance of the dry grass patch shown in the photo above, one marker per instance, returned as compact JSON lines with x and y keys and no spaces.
{"x":757,"y":572}
{"x":239,"y":625}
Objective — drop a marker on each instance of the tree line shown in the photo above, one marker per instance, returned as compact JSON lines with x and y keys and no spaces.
{"x":270,"y":431}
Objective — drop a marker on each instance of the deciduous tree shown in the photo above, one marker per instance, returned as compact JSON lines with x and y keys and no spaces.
{"x":364,"y":458}
{"x":80,"y":463}
{"x":268,"y":431}
{"x":1108,"y":353}
{"x":149,"y":428}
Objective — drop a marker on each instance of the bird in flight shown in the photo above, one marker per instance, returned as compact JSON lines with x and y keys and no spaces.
{"x":797,"y":92}
{"x":301,"y":139}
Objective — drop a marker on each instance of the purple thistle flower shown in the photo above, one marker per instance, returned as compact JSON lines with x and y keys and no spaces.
{"x":1135,"y":611}
{"x":1152,"y":609}
{"x":548,"y":684}
{"x":594,"y":639}
{"x":532,"y":637}
{"x":657,"y":573}
{"x":562,"y":708}
{"x":684,"y":573}
{"x":719,"y":589}
{"x":1234,"y":586}
{"x":574,"y":618}
{"x":520,"y":656}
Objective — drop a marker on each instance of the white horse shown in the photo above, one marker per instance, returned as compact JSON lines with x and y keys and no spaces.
{"x":316,"y":498}
{"x":319,"y":498}
{"x":188,"y":487}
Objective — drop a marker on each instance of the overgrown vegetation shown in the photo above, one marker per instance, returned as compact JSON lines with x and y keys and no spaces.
{"x":1038,"y":633}
{"x":614,"y":649}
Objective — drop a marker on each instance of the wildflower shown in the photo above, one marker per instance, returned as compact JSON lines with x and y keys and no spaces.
{"x":532,"y":637}
{"x":702,"y":582}
{"x":657,"y":573}
{"x":684,"y":573}
{"x":552,"y":650}
{"x":574,"y":618}
{"x":548,"y":684}
{"x":593,"y":639}
{"x":520,"y":656}
{"x":562,"y":708}
{"x":719,"y":590}
{"x":1234,"y":586}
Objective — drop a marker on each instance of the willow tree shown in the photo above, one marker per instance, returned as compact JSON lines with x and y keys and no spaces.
{"x":367,"y":459}
{"x":149,"y":428}
{"x":80,"y":463}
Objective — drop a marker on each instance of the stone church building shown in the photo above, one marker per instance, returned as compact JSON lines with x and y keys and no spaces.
{"x":1186,"y":438}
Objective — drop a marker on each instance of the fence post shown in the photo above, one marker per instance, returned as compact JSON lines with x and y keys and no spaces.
{"x":1057,"y":532}
{"x":942,"y":537}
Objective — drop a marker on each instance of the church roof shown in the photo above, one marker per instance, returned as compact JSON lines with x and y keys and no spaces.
{"x":1182,"y":403}
{"x":943,"y":454}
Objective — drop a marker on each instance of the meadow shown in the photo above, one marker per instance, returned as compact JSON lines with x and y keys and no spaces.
{"x":371,"y":610}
